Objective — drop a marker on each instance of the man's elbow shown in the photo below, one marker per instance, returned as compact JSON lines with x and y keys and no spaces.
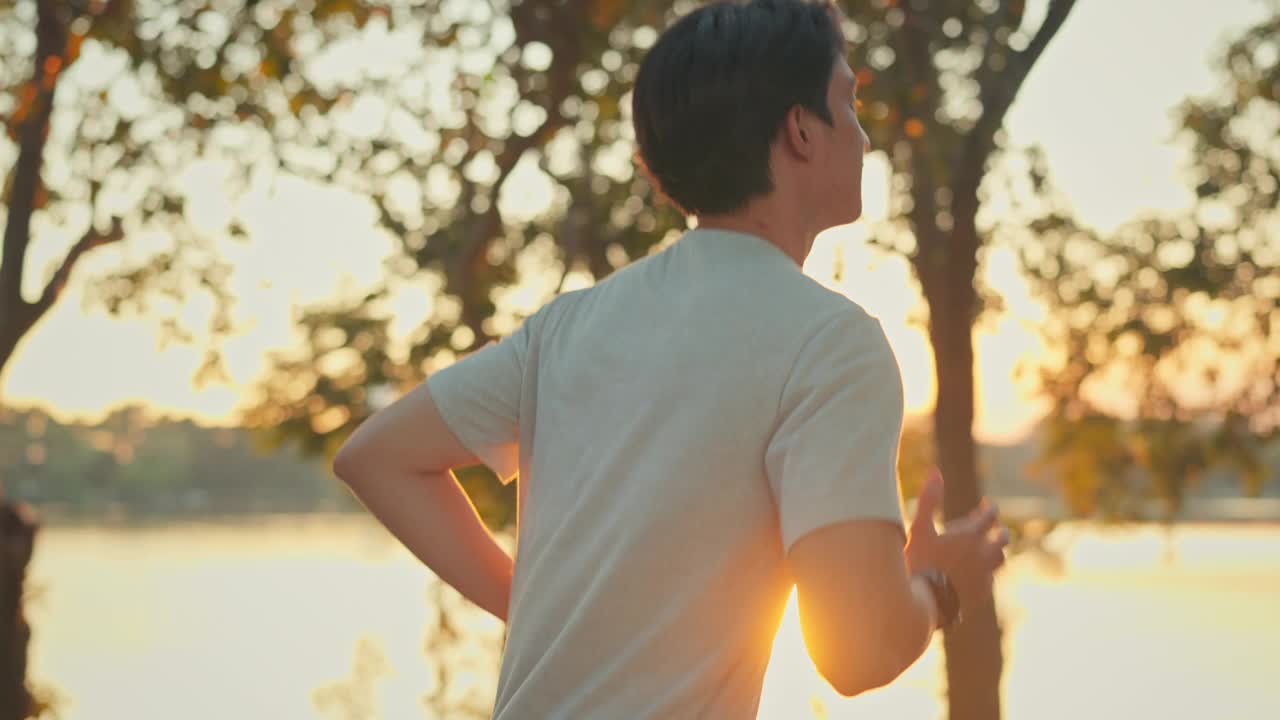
{"x":875,"y":657}
{"x":862,"y":677}
{"x":348,"y":462}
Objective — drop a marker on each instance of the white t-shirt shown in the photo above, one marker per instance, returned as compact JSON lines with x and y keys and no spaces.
{"x":675,"y":428}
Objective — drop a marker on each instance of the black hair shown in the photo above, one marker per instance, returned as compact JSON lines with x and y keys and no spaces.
{"x":713,"y":91}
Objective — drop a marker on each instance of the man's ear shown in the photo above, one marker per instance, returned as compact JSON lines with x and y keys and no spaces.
{"x":797,"y":133}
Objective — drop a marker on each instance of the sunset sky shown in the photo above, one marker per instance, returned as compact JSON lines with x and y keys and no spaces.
{"x":1099,"y":102}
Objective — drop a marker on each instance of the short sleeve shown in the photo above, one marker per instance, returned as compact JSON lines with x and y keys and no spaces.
{"x":479,"y":399}
{"x":834,"y":450}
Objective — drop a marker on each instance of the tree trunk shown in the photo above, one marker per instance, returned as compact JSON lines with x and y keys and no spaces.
{"x":17,"y":538}
{"x":974,"y":660}
{"x":17,"y":521}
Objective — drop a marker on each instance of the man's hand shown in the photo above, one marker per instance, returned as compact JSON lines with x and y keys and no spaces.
{"x":969,"y":550}
{"x":397,"y":463}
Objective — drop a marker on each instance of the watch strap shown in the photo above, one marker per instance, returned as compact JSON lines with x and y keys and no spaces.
{"x":944,"y":596}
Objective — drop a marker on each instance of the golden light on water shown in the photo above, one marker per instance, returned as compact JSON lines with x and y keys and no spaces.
{"x":250,"y":619}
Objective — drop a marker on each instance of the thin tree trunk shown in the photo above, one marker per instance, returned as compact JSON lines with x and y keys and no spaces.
{"x":16,"y":315}
{"x":946,"y":263}
{"x":17,"y":539}
{"x":17,"y":522}
{"x":973,"y":653}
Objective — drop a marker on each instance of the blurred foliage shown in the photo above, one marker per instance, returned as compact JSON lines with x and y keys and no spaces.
{"x":538,"y":92}
{"x":107,"y":105}
{"x":1168,"y":330}
{"x":916,"y":456}
{"x":463,"y":658}
{"x":356,"y":697}
{"x":494,"y":501}
{"x":133,"y":465}
{"x":478,"y":94}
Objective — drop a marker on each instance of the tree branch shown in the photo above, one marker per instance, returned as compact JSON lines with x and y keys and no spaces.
{"x":51,"y":39}
{"x":53,"y":290}
{"x":1002,"y":15}
{"x":998,"y":92}
{"x":568,"y":54}
{"x":921,"y":73}
{"x":1057,"y":14}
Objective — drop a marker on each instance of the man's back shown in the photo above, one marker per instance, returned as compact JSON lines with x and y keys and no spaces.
{"x":680,"y":426}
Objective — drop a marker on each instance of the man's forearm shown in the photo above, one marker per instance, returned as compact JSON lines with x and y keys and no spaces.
{"x":912,"y":630}
{"x":431,"y":515}
{"x":924,"y":620}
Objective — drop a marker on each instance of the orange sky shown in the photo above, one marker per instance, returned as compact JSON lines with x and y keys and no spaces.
{"x":1099,"y":102}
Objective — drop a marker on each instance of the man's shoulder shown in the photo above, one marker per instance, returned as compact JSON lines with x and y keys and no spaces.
{"x":558,"y":306}
{"x":840,"y":330}
{"x":568,"y":300}
{"x":824,"y":305}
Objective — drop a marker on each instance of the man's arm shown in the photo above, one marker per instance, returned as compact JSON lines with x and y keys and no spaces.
{"x":398,"y":464}
{"x":864,"y":614}
{"x":863,"y":618}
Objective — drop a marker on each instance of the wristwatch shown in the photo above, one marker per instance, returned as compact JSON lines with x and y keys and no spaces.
{"x":944,"y":596}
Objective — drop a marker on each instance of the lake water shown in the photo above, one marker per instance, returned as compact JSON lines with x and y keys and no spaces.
{"x":263,"y":618}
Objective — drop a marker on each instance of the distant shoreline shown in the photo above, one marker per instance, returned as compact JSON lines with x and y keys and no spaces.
{"x":1198,"y":511}
{"x":126,"y":520}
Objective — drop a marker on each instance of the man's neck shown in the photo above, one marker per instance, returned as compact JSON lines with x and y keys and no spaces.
{"x":792,"y":242}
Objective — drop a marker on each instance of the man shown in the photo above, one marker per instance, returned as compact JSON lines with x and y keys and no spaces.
{"x":700,"y":430}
